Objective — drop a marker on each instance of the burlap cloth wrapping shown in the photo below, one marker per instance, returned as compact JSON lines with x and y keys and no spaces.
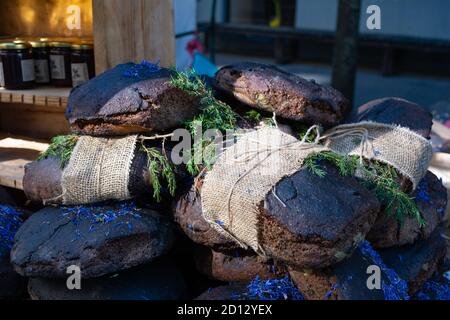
{"x":242,"y":176}
{"x":399,"y":147}
{"x":98,"y":170}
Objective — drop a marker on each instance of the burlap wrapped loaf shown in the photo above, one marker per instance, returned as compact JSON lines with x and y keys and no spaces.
{"x":406,"y":151}
{"x":242,"y":176}
{"x":98,"y":170}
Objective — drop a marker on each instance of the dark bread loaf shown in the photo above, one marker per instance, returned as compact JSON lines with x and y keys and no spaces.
{"x":347,"y":280}
{"x":115,"y":104}
{"x":323,"y":219}
{"x":42,"y":179}
{"x":236,"y":266}
{"x":398,"y":111}
{"x":291,"y":97}
{"x":431,"y":200}
{"x":387,"y":231}
{"x":52,"y":239}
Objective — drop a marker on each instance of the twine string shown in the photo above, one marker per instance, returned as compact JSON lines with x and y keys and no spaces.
{"x":249,"y":155}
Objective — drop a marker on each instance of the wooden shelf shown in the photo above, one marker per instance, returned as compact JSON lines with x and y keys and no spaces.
{"x":43,"y":96}
{"x":15,"y":153}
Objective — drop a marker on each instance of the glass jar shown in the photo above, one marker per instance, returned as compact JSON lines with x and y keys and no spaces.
{"x":16,"y":66}
{"x":59,"y":59}
{"x":83,"y":65}
{"x":41,"y":64}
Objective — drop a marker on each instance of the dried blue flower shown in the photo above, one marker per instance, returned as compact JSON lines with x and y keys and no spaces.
{"x":433,"y":290}
{"x":272,"y":289}
{"x":142,"y":69}
{"x":422,"y":192}
{"x":396,"y":288}
{"x":10,"y":221}
{"x":100,"y":214}
{"x":220,"y":223}
{"x":334,"y":287}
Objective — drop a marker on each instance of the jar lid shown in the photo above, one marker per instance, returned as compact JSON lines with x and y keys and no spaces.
{"x":82,"y":46}
{"x":14,"y":45}
{"x":39,"y":44}
{"x":57,"y":44}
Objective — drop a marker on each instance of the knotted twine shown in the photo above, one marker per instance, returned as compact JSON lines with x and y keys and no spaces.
{"x":242,"y":176}
{"x":98,"y":170}
{"x":234,"y":190}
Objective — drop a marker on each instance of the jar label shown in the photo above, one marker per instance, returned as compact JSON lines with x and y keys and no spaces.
{"x":2,"y":77}
{"x":80,"y":73}
{"x":27,"y":70}
{"x":41,"y":71}
{"x":57,"y":67}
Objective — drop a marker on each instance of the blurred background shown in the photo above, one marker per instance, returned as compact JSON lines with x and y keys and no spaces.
{"x":407,"y":57}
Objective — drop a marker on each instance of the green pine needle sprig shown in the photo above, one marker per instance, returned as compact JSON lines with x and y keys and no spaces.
{"x":159,"y":168}
{"x":214,"y":114}
{"x":60,"y":147}
{"x":253,"y":115}
{"x":381,"y":178}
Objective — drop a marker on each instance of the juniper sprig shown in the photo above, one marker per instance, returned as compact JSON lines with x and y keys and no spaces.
{"x":159,"y":167}
{"x":60,"y":147}
{"x":253,"y":115}
{"x":214,"y":115}
{"x":381,"y":178}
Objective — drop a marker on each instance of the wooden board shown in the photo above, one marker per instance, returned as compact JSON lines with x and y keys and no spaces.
{"x":36,"y":121}
{"x":127,"y":31}
{"x":43,"y":96}
{"x":15,"y":153}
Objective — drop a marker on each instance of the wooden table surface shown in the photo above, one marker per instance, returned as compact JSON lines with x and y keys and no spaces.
{"x":15,"y":153}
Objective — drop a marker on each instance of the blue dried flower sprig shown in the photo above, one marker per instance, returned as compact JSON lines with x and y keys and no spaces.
{"x":433,"y":290}
{"x":422,"y":192}
{"x":99,"y":214}
{"x":272,"y":289}
{"x":397,"y":288}
{"x":334,"y":287}
{"x":142,"y":69}
{"x":10,"y":221}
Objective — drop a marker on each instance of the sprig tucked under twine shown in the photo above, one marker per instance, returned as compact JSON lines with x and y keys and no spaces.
{"x":158,"y":164}
{"x":303,"y":144}
{"x":363,"y":145}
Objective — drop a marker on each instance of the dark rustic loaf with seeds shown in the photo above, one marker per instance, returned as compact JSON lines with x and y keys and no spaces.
{"x":387,"y":231}
{"x":291,"y":97}
{"x":238,"y":265}
{"x":115,"y":104}
{"x":392,"y":110}
{"x":431,"y":200}
{"x":42,"y":179}
{"x":323,"y":220}
{"x":414,"y":264}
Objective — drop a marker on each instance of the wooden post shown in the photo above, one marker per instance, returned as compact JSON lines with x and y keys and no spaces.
{"x":134,"y":30}
{"x":346,"y":48}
